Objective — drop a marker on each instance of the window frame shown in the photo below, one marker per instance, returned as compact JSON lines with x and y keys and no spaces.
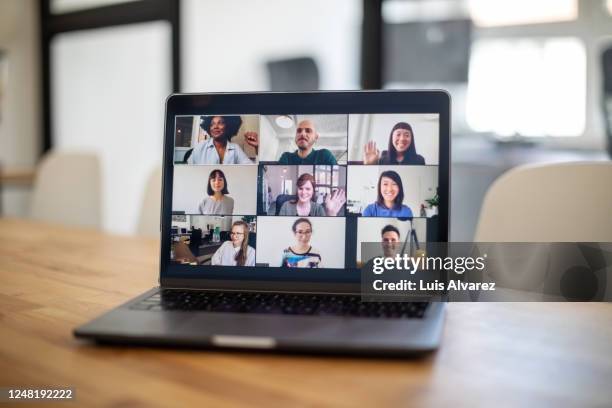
{"x":113,"y":15}
{"x":591,"y":27}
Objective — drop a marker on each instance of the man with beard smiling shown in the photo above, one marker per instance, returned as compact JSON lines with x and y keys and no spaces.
{"x":305,"y":137}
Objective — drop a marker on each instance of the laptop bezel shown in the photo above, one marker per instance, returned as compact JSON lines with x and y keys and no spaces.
{"x":320,"y":102}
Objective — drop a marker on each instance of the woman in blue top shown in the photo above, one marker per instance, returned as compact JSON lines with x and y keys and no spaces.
{"x":390,"y":198}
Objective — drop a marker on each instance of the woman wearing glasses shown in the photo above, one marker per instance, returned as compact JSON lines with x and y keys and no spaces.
{"x":236,"y":251}
{"x":301,"y":254}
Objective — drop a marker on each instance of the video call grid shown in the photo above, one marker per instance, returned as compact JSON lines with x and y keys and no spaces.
{"x":350,"y":218}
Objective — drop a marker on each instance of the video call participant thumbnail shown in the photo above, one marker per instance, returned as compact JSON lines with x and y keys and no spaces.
{"x":384,"y":236}
{"x":401,"y":148}
{"x":301,"y":242}
{"x":390,"y":242}
{"x":305,"y":138}
{"x":390,"y":239}
{"x":301,"y":254}
{"x":217,"y":202}
{"x":218,"y":148}
{"x":305,"y":204}
{"x":236,"y":251}
{"x":390,"y":198}
{"x":215,"y":190}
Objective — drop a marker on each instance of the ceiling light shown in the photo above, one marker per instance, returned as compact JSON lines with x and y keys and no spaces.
{"x":284,"y":121}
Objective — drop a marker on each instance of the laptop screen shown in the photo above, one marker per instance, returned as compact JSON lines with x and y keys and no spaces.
{"x":292,"y":196}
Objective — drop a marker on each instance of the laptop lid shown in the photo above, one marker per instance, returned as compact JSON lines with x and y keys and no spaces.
{"x":276,"y":191}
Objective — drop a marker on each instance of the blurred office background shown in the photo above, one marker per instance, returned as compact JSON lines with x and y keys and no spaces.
{"x":528,"y":78}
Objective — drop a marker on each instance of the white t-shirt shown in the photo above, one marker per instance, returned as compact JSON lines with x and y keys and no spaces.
{"x":205,"y":153}
{"x":226,"y":255}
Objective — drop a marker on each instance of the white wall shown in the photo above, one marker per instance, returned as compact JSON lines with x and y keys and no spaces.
{"x":274,"y":234}
{"x":226,"y":43}
{"x":109,"y":89}
{"x":377,"y":128}
{"x":369,"y":228}
{"x":20,"y":128}
{"x":419,"y":184}
{"x":272,"y":145}
{"x":269,"y":146}
{"x":190,"y":184}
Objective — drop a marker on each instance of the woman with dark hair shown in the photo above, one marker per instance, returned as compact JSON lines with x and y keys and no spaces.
{"x":217,"y":202}
{"x":390,"y":198}
{"x":401,"y":149}
{"x":236,"y":251}
{"x":305,"y":204}
{"x":301,"y":254}
{"x":218,"y":149}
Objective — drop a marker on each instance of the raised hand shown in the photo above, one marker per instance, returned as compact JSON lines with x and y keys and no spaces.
{"x":334,"y":202}
{"x":370,"y":153}
{"x":252,"y":138}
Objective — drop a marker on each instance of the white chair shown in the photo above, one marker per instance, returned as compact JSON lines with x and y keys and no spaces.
{"x":567,"y":202}
{"x":562,"y":202}
{"x":67,"y":190}
{"x":148,"y":223}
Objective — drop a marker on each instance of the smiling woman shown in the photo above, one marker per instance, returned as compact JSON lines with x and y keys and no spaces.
{"x":217,"y":202}
{"x":305,"y":202}
{"x":218,"y":148}
{"x":401,"y":150}
{"x":390,"y":198}
{"x":236,"y":251}
{"x":301,"y":254}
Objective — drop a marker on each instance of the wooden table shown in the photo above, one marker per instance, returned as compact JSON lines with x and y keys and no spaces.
{"x":54,"y":278}
{"x":17,"y":176}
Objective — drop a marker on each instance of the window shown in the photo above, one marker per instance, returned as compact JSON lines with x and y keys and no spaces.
{"x":487,"y":13}
{"x":104,"y":102}
{"x":327,"y":178}
{"x":528,"y":87}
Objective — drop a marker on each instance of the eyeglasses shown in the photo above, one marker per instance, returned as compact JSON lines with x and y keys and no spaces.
{"x":304,"y":232}
{"x":236,"y":233}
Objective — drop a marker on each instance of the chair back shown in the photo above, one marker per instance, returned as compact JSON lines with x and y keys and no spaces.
{"x":148,"y":223}
{"x":281,"y":199}
{"x":67,"y":190}
{"x":563,"y":202}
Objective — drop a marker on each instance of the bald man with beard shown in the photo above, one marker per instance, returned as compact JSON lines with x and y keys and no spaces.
{"x":305,"y":137}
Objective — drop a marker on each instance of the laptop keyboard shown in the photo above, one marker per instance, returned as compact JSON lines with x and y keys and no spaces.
{"x":278,"y":303}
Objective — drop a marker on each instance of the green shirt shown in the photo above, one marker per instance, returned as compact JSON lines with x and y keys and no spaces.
{"x":322,"y":156}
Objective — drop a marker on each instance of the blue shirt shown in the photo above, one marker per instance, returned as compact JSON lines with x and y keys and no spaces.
{"x":377,"y":210}
{"x":205,"y":153}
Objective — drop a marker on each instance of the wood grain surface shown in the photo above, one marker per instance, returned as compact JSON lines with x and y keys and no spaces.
{"x":18,"y":177}
{"x":493,"y":354}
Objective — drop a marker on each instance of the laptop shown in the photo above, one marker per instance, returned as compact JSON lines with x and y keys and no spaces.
{"x":267,"y":199}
